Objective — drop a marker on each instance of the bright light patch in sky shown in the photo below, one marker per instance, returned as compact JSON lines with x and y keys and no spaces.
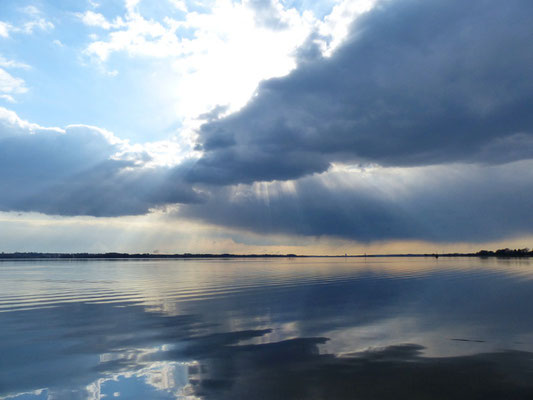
{"x":175,"y":61}
{"x":216,"y":57}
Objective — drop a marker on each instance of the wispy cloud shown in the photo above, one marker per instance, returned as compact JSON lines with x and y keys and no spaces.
{"x":91,"y":18}
{"x":11,"y":85}
{"x":8,"y":98}
{"x":37,"y":24}
{"x":5,"y":63}
{"x":34,"y":21}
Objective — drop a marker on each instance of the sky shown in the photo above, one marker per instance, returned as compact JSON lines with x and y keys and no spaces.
{"x":266,"y":126}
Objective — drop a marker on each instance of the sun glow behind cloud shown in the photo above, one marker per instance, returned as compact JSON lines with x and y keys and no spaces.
{"x":213,"y":57}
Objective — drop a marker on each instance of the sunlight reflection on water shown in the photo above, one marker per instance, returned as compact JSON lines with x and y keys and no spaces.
{"x":311,"y":327}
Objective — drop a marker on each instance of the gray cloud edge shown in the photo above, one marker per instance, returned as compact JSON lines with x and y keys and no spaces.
{"x":416,"y":83}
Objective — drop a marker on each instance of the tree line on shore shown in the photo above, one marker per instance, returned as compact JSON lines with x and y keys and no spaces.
{"x":500,"y":253}
{"x":525,"y":252}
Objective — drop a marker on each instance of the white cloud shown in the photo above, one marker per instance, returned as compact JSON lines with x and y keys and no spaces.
{"x":38,"y":23}
{"x":131,"y":6}
{"x":91,"y":18}
{"x":10,"y":84}
{"x":4,"y":29}
{"x":139,"y":37}
{"x":335,"y":26}
{"x":204,"y":59}
{"x":230,"y":54}
{"x":7,"y":98}
{"x":153,"y":154}
{"x":12,"y":125}
{"x":31,"y":10}
{"x":179,"y":4}
{"x":214,"y":58}
{"x":12,"y":64}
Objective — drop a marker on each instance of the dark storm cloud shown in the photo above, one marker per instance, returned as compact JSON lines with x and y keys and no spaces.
{"x":416,"y":83}
{"x":445,"y":203}
{"x":72,"y":172}
{"x":112,"y":188}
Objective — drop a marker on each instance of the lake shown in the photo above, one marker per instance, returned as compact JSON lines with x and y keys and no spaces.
{"x":300,"y":328}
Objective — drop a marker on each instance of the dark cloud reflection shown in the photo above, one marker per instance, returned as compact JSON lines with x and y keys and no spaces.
{"x":294,"y":369}
{"x":355,"y":333}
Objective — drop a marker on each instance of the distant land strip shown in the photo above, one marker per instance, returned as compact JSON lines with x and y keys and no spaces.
{"x":501,"y":253}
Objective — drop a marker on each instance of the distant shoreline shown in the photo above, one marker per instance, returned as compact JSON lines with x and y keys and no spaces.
{"x":501,"y":253}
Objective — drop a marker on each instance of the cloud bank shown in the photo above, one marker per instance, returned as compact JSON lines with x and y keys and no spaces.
{"x":74,"y":171}
{"x":416,"y":83}
{"x":430,"y":101}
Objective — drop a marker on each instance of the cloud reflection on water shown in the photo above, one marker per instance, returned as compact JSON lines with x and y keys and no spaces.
{"x":359,"y":332}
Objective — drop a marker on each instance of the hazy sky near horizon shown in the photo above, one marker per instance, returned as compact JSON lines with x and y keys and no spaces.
{"x":302,"y":126}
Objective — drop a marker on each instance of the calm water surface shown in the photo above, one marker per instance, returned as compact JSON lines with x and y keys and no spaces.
{"x":388,"y":328}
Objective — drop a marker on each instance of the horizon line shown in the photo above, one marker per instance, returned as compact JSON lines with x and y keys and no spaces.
{"x":117,"y":255}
